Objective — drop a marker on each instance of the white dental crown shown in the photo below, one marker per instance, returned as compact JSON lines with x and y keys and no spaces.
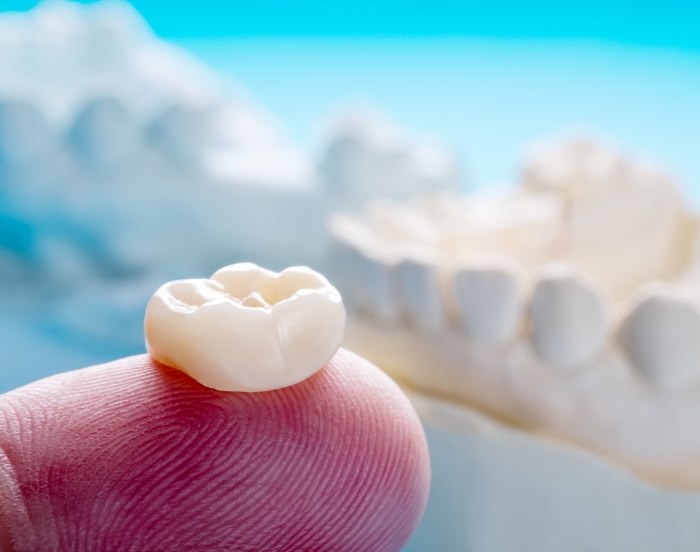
{"x":246,"y":328}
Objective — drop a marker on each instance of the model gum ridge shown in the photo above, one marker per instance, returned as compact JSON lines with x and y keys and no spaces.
{"x":568,"y":307}
{"x":246,"y":328}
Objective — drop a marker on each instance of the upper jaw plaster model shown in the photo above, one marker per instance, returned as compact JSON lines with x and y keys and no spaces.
{"x":567,"y":308}
{"x":96,"y":111}
{"x":124,"y":162}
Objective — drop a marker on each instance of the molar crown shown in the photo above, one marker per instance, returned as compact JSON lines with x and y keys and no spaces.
{"x":569,"y":319}
{"x":661,"y":335}
{"x":246,"y":328}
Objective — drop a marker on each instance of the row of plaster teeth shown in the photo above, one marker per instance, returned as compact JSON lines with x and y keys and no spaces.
{"x":661,"y":334}
{"x":367,"y":156}
{"x":569,"y":319}
{"x":489,"y":297}
{"x":104,"y":131}
{"x":420,"y":292}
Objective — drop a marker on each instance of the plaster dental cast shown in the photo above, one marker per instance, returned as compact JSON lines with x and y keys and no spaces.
{"x":549,"y":338}
{"x":245,"y":429}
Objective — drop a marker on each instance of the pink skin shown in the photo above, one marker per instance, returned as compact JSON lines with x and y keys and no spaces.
{"x":134,"y":455}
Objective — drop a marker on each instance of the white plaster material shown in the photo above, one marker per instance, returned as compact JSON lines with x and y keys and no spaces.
{"x":25,"y":132}
{"x":603,"y":407}
{"x":536,"y":338}
{"x":522,"y":226}
{"x":129,"y":153}
{"x":490,"y":299}
{"x":347,"y":259}
{"x":420,"y":292}
{"x":661,"y":335}
{"x":366,"y":156}
{"x":105,"y":133}
{"x":497,"y":489}
{"x":608,"y":202}
{"x":377,"y":276}
{"x":125,"y":162}
{"x":569,"y":319}
{"x":182,"y":132}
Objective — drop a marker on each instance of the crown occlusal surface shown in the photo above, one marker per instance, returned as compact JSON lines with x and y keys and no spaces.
{"x":246,"y":328}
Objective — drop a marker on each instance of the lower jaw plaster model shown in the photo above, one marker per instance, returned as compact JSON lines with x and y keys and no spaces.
{"x":564,"y":313}
{"x":289,"y":442}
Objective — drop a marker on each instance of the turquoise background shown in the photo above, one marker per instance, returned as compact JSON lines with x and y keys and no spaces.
{"x":665,"y":24}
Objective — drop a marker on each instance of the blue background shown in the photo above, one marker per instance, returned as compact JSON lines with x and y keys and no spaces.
{"x":663,"y":24}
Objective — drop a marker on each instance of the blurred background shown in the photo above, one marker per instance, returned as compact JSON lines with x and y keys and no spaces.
{"x":128,"y":158}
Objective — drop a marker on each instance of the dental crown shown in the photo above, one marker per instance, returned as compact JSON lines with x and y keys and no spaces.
{"x":246,"y":328}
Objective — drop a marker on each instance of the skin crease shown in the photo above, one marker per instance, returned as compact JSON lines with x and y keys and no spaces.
{"x":135,"y":455}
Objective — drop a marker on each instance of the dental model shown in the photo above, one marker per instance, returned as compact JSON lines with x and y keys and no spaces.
{"x":365,"y":156}
{"x":246,"y":328}
{"x":95,"y":111}
{"x":125,"y":162}
{"x":568,"y":309}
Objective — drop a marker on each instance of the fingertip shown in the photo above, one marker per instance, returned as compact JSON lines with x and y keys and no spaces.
{"x":137,"y":452}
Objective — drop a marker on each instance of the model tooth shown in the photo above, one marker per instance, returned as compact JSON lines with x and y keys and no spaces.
{"x":397,"y":222}
{"x":24,"y":131}
{"x":489,"y":299}
{"x":182,"y":131}
{"x":661,"y":335}
{"x":569,"y":319}
{"x":246,"y":328}
{"x":377,"y":280}
{"x":568,"y":166}
{"x":347,"y":233}
{"x":104,"y":132}
{"x":354,"y":276}
{"x":366,"y":270}
{"x":365,"y":153}
{"x":420,"y":291}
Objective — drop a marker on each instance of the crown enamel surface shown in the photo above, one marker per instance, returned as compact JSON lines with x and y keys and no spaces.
{"x":246,"y":328}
